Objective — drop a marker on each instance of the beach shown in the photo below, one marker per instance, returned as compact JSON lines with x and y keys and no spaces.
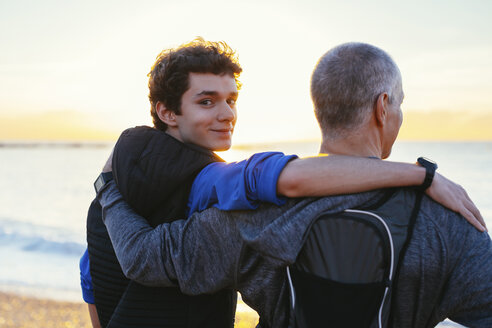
{"x":28,"y":312}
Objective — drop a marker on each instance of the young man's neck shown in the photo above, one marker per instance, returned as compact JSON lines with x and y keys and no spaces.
{"x":174,"y":133}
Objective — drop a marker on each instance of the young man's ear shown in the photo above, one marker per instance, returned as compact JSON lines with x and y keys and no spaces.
{"x":165,"y":115}
{"x":381,"y":108}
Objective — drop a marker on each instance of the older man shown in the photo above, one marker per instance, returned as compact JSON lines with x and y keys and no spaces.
{"x":357,"y":93}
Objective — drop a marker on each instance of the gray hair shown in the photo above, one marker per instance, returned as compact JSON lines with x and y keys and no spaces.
{"x":346,"y":83}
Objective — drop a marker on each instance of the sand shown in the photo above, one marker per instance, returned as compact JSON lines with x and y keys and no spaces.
{"x":21,"y":311}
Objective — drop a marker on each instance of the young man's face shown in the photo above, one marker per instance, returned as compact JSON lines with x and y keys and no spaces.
{"x":208,"y":111}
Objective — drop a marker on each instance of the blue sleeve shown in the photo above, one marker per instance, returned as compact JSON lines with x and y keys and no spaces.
{"x":239,"y":186}
{"x":85,"y":279}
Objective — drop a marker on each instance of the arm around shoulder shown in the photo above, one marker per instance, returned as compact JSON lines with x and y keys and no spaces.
{"x":339,"y":174}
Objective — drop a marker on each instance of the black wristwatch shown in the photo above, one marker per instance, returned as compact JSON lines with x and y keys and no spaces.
{"x":102,"y":179}
{"x":430,"y":170}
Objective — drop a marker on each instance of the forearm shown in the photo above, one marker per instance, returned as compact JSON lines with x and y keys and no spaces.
{"x":93,"y":315}
{"x":336,"y":174}
{"x":136,"y":244}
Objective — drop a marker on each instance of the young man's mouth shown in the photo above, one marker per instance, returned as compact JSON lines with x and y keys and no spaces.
{"x":227,"y":131}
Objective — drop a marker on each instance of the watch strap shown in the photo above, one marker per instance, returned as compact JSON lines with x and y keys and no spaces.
{"x":430,"y":170}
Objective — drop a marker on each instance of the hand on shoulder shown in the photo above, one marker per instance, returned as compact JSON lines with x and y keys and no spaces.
{"x":454,"y":197}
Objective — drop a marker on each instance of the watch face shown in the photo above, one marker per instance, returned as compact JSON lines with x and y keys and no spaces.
{"x":102,"y":179}
{"x":99,"y":183}
{"x":425,"y":162}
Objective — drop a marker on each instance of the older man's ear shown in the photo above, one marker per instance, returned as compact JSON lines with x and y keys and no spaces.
{"x":381,"y":109}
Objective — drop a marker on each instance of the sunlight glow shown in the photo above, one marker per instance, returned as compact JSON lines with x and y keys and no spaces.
{"x":68,"y":57}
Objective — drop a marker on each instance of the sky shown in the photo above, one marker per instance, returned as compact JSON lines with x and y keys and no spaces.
{"x":77,"y":70}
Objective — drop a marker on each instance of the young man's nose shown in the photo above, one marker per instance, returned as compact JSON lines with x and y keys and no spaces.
{"x":226,"y":112}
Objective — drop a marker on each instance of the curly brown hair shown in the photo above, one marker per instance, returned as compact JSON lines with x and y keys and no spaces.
{"x":169,"y":76}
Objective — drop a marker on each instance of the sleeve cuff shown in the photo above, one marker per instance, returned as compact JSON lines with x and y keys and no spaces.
{"x":267,"y":188}
{"x":109,"y":194}
{"x":88,"y":295}
{"x":86,"y":279}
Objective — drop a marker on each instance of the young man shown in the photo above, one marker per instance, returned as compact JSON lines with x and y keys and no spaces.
{"x":204,"y":115}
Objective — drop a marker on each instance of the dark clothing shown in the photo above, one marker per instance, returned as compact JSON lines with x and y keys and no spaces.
{"x":446,"y":272}
{"x":155,"y":173}
{"x":226,"y":186}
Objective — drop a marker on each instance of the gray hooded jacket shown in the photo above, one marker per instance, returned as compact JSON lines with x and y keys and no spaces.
{"x":446,"y":272}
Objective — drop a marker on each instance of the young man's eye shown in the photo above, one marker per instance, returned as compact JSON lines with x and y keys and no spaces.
{"x":231,"y":102}
{"x":206,"y":102}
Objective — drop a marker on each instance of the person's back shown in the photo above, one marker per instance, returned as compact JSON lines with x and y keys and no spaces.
{"x":252,"y":249}
{"x":357,"y":94}
{"x":245,"y":249}
{"x":445,"y":272}
{"x":349,"y":261}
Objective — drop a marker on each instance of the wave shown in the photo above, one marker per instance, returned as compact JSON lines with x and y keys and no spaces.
{"x":26,"y":237}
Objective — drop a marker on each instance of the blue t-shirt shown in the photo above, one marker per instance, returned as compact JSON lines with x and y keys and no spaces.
{"x":227,"y":186}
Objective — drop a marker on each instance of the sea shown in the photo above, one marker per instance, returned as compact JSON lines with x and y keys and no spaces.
{"x":46,"y":189}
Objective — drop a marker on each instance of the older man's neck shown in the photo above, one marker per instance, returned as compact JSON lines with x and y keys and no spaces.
{"x":361,"y":145}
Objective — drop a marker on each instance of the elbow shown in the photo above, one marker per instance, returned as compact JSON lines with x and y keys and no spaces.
{"x":137,"y":270}
{"x":132,"y":268}
{"x":144,"y":267}
{"x":133,"y":257}
{"x":292,"y":182}
{"x":289,"y":186}
{"x":130,"y":271}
